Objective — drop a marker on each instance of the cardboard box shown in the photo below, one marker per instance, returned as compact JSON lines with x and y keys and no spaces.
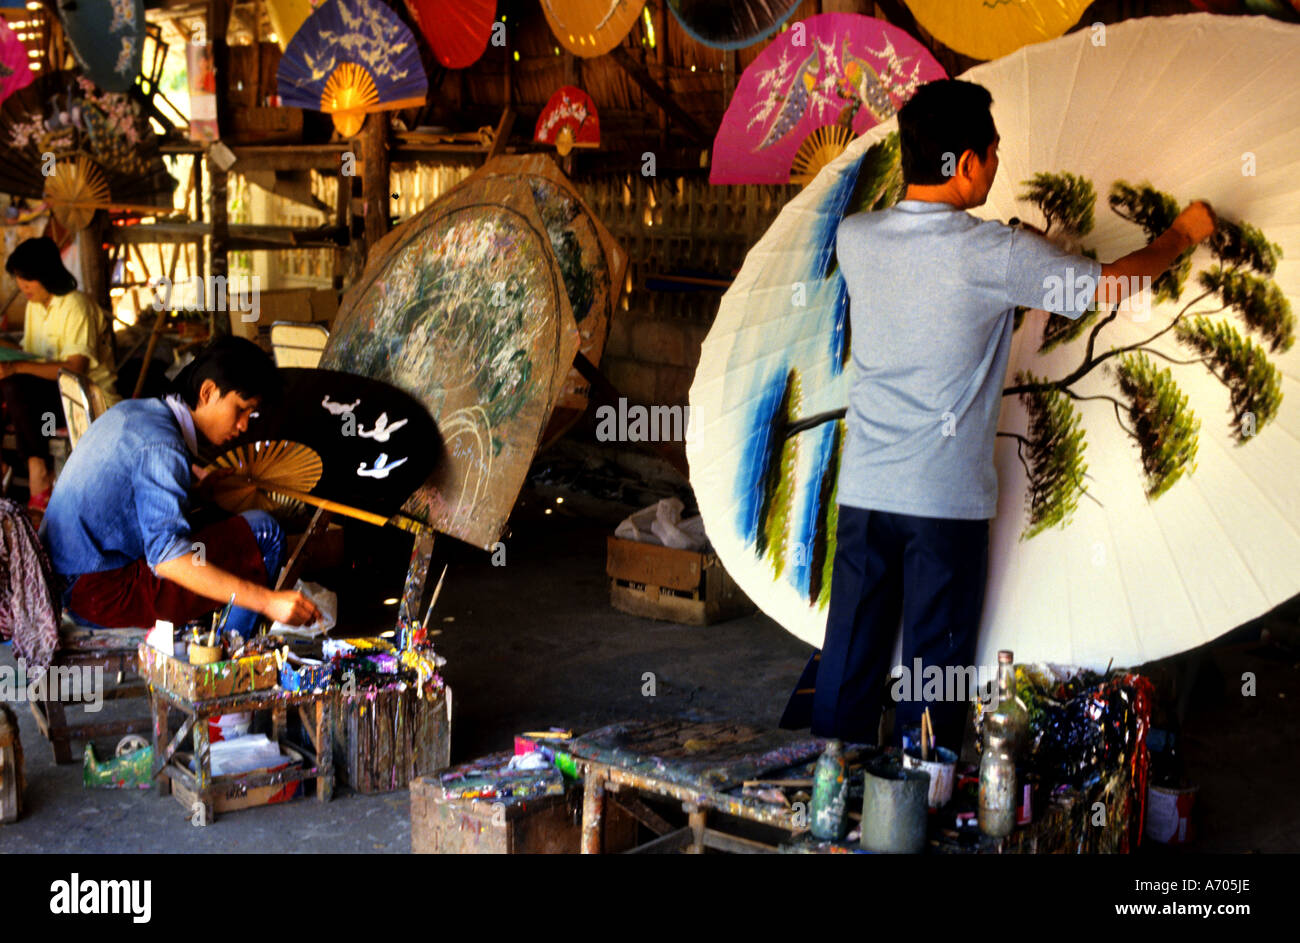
{"x":229,"y":795}
{"x":673,"y":585}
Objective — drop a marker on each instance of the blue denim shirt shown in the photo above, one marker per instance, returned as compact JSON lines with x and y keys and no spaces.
{"x":124,"y":494}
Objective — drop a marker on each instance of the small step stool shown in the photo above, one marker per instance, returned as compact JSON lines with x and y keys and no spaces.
{"x":75,"y":652}
{"x":11,"y":767}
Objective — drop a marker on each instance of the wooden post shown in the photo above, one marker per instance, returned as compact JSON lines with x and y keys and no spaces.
{"x":158,"y":704}
{"x":217,"y":23}
{"x":325,"y":747}
{"x":375,"y":190}
{"x":661,"y":69}
{"x":593,"y":810}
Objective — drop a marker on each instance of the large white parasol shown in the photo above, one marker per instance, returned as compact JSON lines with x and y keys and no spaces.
{"x":1165,"y":509}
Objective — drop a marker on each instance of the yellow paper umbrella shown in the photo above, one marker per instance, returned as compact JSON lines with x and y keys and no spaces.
{"x":78,"y":188}
{"x":590,"y":28}
{"x":258,"y":467}
{"x":985,"y":30}
{"x":286,"y":16}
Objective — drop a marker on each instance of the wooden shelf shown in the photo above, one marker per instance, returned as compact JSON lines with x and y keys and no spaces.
{"x":243,"y":237}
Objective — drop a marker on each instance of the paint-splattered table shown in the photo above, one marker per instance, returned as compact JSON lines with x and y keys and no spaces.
{"x":199,"y":786}
{"x":702,"y":766}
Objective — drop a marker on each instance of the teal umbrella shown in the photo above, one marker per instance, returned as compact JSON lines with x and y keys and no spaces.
{"x":107,"y":37}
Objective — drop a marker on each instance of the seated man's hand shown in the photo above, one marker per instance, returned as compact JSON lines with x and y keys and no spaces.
{"x":291,"y":608}
{"x":205,"y":480}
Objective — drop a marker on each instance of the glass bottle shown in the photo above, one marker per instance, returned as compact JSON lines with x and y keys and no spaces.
{"x":1009,"y":706}
{"x":830,"y":794}
{"x":997,"y":814}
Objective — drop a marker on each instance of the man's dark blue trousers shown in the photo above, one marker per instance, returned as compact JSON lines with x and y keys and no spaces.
{"x":928,"y":572}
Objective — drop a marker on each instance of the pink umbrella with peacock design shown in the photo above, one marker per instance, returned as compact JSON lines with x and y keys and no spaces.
{"x":826,"y":80}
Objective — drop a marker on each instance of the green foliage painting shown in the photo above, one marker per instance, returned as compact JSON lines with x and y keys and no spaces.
{"x":1149,"y":406}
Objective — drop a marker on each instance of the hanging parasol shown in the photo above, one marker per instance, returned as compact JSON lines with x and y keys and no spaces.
{"x":351,"y":58}
{"x":287,"y":17}
{"x":457,"y":30}
{"x":107,"y":38}
{"x":731,"y":25}
{"x":985,"y":30}
{"x":1163,"y":511}
{"x":569,"y":120}
{"x":347,"y":439}
{"x":592,"y":262}
{"x":78,"y":149}
{"x":590,"y":28}
{"x":15,"y":73}
{"x":820,"y":84}
{"x":465,"y":307}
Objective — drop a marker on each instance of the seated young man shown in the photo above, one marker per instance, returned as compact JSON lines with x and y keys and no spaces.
{"x":117,"y":528}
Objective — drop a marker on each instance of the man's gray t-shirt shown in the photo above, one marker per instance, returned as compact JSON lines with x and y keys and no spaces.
{"x":932,"y":293}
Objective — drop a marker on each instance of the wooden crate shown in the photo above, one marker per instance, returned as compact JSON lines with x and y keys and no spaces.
{"x":201,"y":682}
{"x":547,"y":825}
{"x":673,"y":585}
{"x":384,"y":739}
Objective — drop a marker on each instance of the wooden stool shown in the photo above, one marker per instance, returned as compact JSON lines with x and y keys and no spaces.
{"x":49,"y":709}
{"x":11,"y":767}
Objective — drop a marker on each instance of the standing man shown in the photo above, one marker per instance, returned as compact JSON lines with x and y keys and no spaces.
{"x":932,"y":292}
{"x":117,"y":528}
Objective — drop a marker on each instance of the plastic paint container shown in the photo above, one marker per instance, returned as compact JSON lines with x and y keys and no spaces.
{"x":1169,"y":814}
{"x":228,"y":726}
{"x":943,"y":773}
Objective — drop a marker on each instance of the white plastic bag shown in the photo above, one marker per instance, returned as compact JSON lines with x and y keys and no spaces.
{"x":662,"y":524}
{"x":327,"y":601}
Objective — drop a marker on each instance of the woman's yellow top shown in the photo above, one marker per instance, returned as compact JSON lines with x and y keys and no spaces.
{"x":70,"y":325}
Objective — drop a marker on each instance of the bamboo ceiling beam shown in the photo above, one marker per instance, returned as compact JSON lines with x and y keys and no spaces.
{"x":638,"y":74}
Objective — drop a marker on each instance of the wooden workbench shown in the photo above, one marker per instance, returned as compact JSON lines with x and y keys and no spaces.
{"x":200,"y":783}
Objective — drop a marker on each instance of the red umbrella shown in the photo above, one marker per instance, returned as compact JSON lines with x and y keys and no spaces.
{"x":457,"y":30}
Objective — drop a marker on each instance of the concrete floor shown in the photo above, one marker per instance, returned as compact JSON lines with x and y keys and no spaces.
{"x":535,"y":643}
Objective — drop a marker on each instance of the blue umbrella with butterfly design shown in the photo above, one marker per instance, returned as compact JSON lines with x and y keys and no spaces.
{"x":351,"y":58}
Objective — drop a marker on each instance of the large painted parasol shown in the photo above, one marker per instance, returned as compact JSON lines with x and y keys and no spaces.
{"x":984,"y":30}
{"x":465,"y":307}
{"x":592,"y":263}
{"x":821,"y":83}
{"x":1147,"y":485}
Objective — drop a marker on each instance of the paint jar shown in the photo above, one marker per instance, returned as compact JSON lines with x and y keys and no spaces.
{"x":204,"y":654}
{"x":1169,"y":814}
{"x":942,"y":767}
{"x":895,"y":808}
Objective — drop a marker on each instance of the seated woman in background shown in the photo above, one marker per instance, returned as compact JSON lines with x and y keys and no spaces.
{"x":64,"y":329}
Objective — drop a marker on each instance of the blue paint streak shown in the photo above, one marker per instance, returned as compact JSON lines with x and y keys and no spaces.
{"x":751,"y":468}
{"x":830,"y":214}
{"x":800,"y":576}
{"x":839,"y":319}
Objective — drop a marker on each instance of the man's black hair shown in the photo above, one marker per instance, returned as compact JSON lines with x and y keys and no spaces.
{"x":38,"y":260}
{"x":945,"y":117}
{"x":234,"y":364}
